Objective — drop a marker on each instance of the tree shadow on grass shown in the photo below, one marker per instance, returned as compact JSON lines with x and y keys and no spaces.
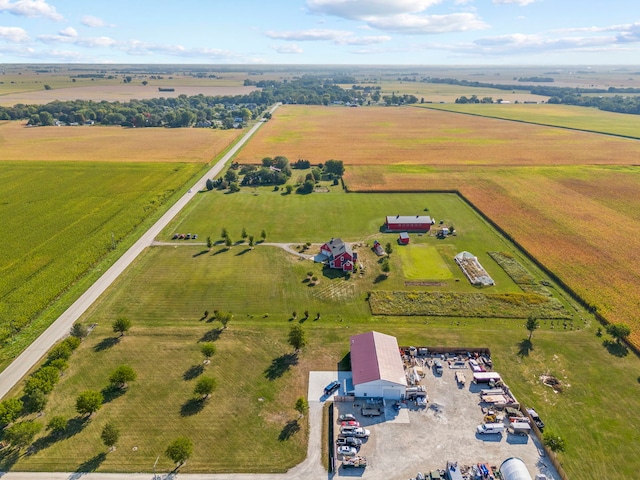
{"x":92,"y":464}
{"x":8,"y":458}
{"x":191,"y":407}
{"x":290,"y":429}
{"x":222,"y":250}
{"x":212,"y":335}
{"x":616,"y":349}
{"x":280,"y":365}
{"x":202,"y":252}
{"x":246,"y":250}
{"x":193,"y":371}
{"x":106,"y":343}
{"x":524,"y":347}
{"x":111,"y":393}
{"x":380,"y":278}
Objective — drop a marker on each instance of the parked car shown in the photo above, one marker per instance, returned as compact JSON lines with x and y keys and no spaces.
{"x":489,"y":428}
{"x":346,"y":417}
{"x":175,"y":236}
{"x":194,"y":236}
{"x":181,"y":236}
{"x":347,"y":451}
{"x":350,"y":441}
{"x":536,"y":419}
{"x":355,"y":432}
{"x":437,"y":366}
{"x":332,"y":387}
{"x":350,"y":423}
{"x":188,"y":236}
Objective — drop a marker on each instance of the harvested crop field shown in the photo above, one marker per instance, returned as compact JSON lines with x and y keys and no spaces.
{"x":112,"y":144}
{"x":416,"y":136}
{"x":113,"y":93}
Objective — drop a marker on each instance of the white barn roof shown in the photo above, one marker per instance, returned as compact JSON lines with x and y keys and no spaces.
{"x":426,"y":219}
{"x":376,"y":356}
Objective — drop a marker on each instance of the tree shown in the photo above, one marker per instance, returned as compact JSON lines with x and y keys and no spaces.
{"x":386,"y":266}
{"x":231,"y":176}
{"x":47,"y":87}
{"x":110,"y":434}
{"x":21,"y":434}
{"x":555,"y":442}
{"x":89,"y":402}
{"x":61,"y":350}
{"x":57,"y":425}
{"x":302,"y":406}
{"x":531,"y":325}
{"x":619,"y":331}
{"x":10,"y":410}
{"x":335,"y":167}
{"x":263,"y":235}
{"x":297,"y":337}
{"x":224,"y":233}
{"x":251,"y":241}
{"x":208,"y":349}
{"x":121,"y":376}
{"x":145,"y":83}
{"x":244,"y":233}
{"x":72,"y":342}
{"x":234,"y":187}
{"x":289,"y":188}
{"x":223,"y":318}
{"x":121,"y":325}
{"x":205,"y":387}
{"x":179,"y":450}
{"x":79,"y":330}
{"x":388,"y":248}
{"x":35,"y":402}
{"x":209,"y":184}
{"x":227,"y":241}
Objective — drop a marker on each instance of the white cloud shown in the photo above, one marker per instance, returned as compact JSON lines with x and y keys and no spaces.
{"x":95,"y":22}
{"x":359,"y":9}
{"x":68,"y":32}
{"x":337,"y":37}
{"x":30,"y":8}
{"x":522,"y":3}
{"x":14,"y":34}
{"x":288,"y":49}
{"x":428,"y":24}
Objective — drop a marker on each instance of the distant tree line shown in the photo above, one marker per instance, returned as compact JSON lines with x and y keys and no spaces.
{"x":583,"y":97}
{"x":185,"y":111}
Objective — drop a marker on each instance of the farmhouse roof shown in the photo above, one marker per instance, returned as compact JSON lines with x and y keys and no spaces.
{"x":408,"y":219}
{"x":338,"y":247}
{"x":376,"y":356}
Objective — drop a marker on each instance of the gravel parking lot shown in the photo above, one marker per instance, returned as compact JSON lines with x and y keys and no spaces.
{"x":415,"y":439}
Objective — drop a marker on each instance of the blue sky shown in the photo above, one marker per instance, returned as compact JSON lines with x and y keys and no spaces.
{"x":411,"y":32}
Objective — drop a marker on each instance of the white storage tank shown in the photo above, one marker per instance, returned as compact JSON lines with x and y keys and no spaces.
{"x":514,"y":469}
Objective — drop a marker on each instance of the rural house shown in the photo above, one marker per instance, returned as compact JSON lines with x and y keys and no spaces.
{"x":339,"y":255}
{"x":377,"y":367}
{"x":408,"y":223}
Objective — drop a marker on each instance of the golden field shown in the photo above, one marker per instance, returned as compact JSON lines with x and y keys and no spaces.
{"x":569,"y":198}
{"x":111,"y":144}
{"x":408,"y":135}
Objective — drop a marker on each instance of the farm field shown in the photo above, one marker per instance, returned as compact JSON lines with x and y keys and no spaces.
{"x":257,"y":388}
{"x":58,"y":221}
{"x":112,"y":144}
{"x":568,"y":116}
{"x":415,"y":136}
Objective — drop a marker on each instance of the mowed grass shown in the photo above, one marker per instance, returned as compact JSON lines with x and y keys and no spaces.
{"x":567,"y":116}
{"x":58,"y":221}
{"x":112,"y":144}
{"x":420,"y":136}
{"x":239,"y":428}
{"x":423,"y":262}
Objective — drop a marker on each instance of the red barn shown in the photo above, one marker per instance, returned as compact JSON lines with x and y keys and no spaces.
{"x":407,"y":223}
{"x":340,"y":255}
{"x":404,"y":238}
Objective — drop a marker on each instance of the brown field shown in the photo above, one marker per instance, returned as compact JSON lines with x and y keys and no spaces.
{"x":112,"y":144}
{"x":555,"y":191}
{"x":391,"y":135}
{"x":120,"y":93}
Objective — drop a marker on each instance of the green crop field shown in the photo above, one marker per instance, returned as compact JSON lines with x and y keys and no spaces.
{"x":423,"y":262}
{"x":58,"y":221}
{"x":580,"y":118}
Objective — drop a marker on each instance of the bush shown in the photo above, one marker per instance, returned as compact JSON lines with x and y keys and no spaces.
{"x":79,"y":330}
{"x":57,"y":425}
{"x":72,"y":342}
{"x":61,"y":350}
{"x":21,"y":434}
{"x":35,"y":402}
{"x":60,"y":364}
{"x":10,"y":410}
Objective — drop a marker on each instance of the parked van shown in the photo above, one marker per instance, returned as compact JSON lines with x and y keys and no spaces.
{"x":488,"y":428}
{"x":437,"y":366}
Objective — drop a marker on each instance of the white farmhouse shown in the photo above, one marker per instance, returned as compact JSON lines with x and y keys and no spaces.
{"x":377,"y":367}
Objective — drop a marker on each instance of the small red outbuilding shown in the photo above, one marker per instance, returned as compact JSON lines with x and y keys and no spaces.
{"x":403,"y":239}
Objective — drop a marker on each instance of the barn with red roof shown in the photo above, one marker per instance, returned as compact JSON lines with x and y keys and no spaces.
{"x":377,"y":367}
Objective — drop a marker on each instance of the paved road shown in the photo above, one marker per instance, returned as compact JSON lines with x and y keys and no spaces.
{"x":60,"y":328}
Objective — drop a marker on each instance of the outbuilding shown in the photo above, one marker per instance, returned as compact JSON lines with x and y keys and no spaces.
{"x":408,"y":223}
{"x":403,"y":239}
{"x":514,"y":469}
{"x":377,"y":367}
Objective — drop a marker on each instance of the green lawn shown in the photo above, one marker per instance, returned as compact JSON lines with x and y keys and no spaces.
{"x":423,"y":262}
{"x":242,"y":427}
{"x":580,"y":118}
{"x":58,"y":221}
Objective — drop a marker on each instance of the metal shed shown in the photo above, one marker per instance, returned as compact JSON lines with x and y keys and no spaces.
{"x":514,"y":469}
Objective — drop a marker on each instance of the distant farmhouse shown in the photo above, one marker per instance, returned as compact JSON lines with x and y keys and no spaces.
{"x":408,"y":223}
{"x":339,"y":255}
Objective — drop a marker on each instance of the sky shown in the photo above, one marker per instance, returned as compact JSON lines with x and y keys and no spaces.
{"x":368,"y":32}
